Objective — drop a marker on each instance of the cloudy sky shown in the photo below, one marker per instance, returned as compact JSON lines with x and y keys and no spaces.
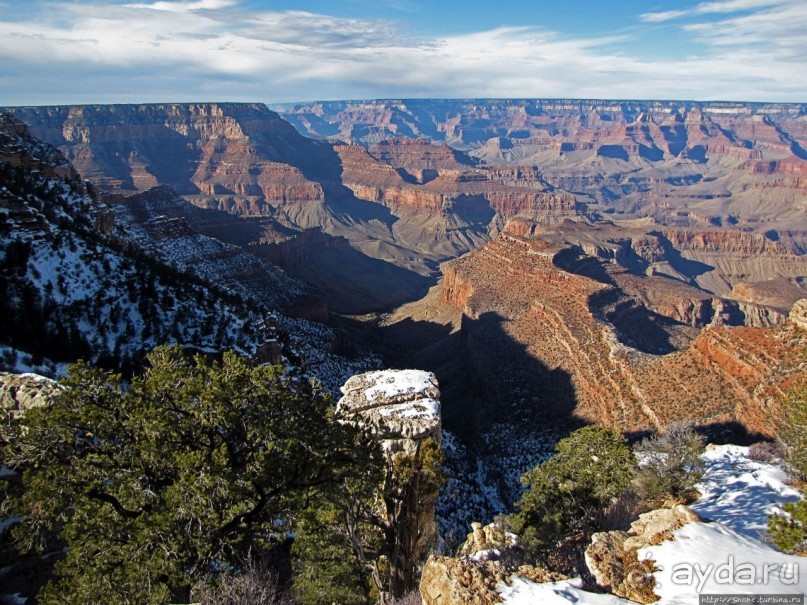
{"x":122,"y":51}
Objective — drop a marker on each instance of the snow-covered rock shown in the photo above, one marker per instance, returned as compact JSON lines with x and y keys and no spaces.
{"x":401,"y":406}
{"x":727,"y":555}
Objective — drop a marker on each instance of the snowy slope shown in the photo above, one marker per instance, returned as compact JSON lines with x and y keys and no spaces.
{"x":739,"y":492}
{"x":726,"y":556}
{"x":76,"y":285}
{"x":70,"y":291}
{"x":711,"y":558}
{"x":729,"y":555}
{"x":524,"y":592}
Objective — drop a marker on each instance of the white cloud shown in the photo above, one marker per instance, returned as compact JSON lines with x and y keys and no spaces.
{"x":663,"y":16}
{"x":716,"y":7}
{"x":181,"y":7}
{"x":217,"y":50}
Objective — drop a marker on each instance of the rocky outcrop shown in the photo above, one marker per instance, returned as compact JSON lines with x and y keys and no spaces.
{"x":401,"y":408}
{"x":798,"y":315}
{"x":612,"y":556}
{"x":460,"y":581}
{"x":21,"y":392}
{"x":476,"y":574}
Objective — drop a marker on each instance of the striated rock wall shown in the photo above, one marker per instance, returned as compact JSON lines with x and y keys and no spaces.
{"x":370,"y":178}
{"x":211,"y":149}
{"x":600,"y":355}
{"x":684,"y":164}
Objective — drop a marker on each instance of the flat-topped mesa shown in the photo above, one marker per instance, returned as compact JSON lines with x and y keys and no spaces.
{"x":401,"y":407}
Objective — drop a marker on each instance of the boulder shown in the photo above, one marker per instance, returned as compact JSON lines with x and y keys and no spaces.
{"x":486,"y":542}
{"x":20,"y":392}
{"x":657,"y":526}
{"x":798,"y":314}
{"x":612,"y":556}
{"x":460,"y":581}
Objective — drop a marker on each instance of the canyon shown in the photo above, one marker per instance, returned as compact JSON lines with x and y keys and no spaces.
{"x":553,"y":262}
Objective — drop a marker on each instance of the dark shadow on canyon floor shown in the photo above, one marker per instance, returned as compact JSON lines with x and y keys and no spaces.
{"x":486,"y":377}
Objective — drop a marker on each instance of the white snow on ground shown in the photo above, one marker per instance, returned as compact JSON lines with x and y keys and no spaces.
{"x":524,"y":592}
{"x":710,"y":558}
{"x":739,"y":492}
{"x":727,"y":556}
{"x":391,"y":383}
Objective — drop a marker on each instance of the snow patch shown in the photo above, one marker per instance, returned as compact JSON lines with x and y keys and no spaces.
{"x":393,"y":383}
{"x":427,"y":409}
{"x":740,"y":492}
{"x":711,"y":558}
{"x":525,"y":592}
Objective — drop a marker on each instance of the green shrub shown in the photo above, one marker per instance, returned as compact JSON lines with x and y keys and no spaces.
{"x":789,"y":530}
{"x":149,"y":487}
{"x":566,"y":494}
{"x":792,"y":431}
{"x":669,"y":464}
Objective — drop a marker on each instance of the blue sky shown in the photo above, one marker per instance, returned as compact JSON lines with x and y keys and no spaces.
{"x":121,"y":51}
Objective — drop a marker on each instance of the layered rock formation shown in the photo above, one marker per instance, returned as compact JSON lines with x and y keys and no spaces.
{"x":409,"y":202}
{"x":682,"y":163}
{"x":226,"y":152}
{"x":555,"y":334}
{"x":401,"y":408}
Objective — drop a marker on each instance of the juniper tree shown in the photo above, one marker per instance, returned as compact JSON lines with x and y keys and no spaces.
{"x":789,"y":529}
{"x":150,"y":487}
{"x":590,"y":468}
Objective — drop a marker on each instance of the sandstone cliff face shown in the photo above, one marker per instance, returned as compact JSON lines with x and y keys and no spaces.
{"x":377,"y":181}
{"x":237,"y":150}
{"x":798,"y":316}
{"x":684,"y":164}
{"x":600,"y":354}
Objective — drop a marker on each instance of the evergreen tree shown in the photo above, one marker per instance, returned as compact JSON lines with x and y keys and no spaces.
{"x":671,"y":464}
{"x":789,"y":530}
{"x":591,"y":467}
{"x":792,"y":431}
{"x":153,"y":487}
